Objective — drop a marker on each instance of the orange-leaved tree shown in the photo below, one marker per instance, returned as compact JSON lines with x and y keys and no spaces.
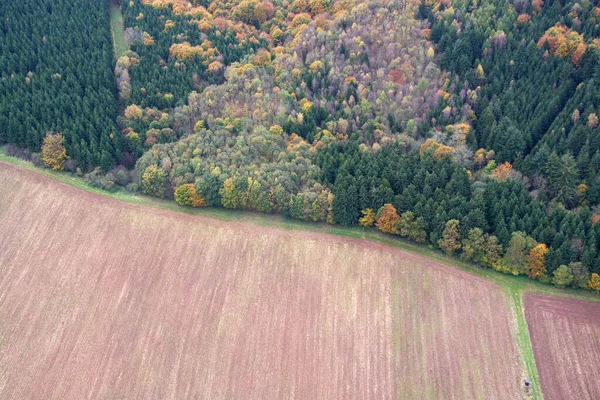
{"x":54,"y":153}
{"x":536,"y":261}
{"x":387,"y":218}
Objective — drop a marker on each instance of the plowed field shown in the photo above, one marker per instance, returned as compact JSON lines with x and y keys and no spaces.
{"x":565,"y":334}
{"x":106,"y":299}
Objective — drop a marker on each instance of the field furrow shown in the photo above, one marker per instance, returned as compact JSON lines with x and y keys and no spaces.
{"x":105,"y":299}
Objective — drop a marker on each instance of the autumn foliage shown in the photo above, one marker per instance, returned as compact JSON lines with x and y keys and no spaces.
{"x":438,"y":150}
{"x":54,"y":153}
{"x":594,"y":282}
{"x":536,"y":261}
{"x":524,"y":18}
{"x":186,"y":52}
{"x":501,"y":173}
{"x":368,"y":218}
{"x":564,"y":42}
{"x":133,"y":111}
{"x":387,"y":219}
{"x":186,"y":196}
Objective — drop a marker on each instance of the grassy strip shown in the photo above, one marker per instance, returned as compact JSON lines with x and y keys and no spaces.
{"x":117,"y":28}
{"x":524,"y":343}
{"x":510,"y":282}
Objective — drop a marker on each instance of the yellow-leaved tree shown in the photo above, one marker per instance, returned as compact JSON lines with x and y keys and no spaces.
{"x":594,"y":282}
{"x":368,"y":218}
{"x":54,"y":153}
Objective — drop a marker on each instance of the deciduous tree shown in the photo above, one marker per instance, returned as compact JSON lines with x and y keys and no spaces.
{"x":536,"y":260}
{"x":186,"y":196}
{"x":368,"y":218}
{"x":387,"y":218}
{"x":154,"y":180}
{"x":594,"y":282}
{"x":450,"y":241}
{"x":562,"y":276}
{"x":54,"y":153}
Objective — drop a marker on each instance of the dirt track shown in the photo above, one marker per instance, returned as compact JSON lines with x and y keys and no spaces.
{"x":565,"y":335}
{"x":105,"y":299}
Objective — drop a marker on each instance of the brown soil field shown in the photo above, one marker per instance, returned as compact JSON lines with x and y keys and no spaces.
{"x":565,"y":335}
{"x":110,"y":300}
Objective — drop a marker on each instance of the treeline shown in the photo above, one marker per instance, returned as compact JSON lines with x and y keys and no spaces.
{"x":56,"y":75}
{"x":492,"y":222}
{"x":495,"y":223}
{"x":235,"y":165}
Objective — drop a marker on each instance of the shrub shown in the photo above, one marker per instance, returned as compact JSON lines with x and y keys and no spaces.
{"x":14,"y":151}
{"x":97,"y":179}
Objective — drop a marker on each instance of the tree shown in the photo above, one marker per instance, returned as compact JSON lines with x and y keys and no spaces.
{"x":562,"y":176}
{"x":230,"y":196}
{"x":594,"y":282}
{"x":450,"y":241}
{"x":473,"y":245}
{"x":387,"y":218}
{"x":581,"y":275}
{"x":134,"y":112}
{"x":186,"y":196}
{"x":207,"y":186}
{"x":345,"y":208}
{"x":154,"y":180}
{"x":412,"y":228}
{"x":562,"y":276}
{"x":592,"y":121}
{"x":536,"y":261}
{"x":258,"y":197}
{"x":509,"y":141}
{"x":54,"y":153}
{"x":368,"y":218}
{"x":517,"y":251}
{"x":492,"y":250}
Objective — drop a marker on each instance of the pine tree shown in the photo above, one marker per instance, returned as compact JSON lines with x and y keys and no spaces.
{"x":562,"y":176}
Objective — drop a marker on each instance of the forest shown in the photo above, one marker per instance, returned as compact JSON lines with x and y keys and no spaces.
{"x":56,"y":62}
{"x":469,"y":126}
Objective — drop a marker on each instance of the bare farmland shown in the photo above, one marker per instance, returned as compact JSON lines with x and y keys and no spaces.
{"x":105,"y":299}
{"x":565,"y":335}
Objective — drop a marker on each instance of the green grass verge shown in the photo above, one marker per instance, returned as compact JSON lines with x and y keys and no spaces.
{"x":515,"y":299}
{"x":117,"y":29}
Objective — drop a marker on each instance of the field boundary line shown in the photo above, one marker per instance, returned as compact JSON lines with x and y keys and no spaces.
{"x":524,"y":347}
{"x":509,"y":282}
